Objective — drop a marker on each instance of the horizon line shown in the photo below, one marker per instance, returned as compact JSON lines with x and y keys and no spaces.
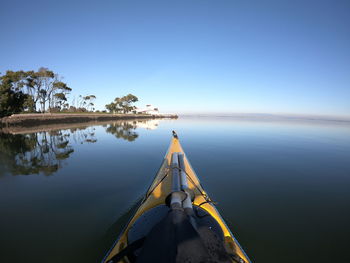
{"x":290,"y":116}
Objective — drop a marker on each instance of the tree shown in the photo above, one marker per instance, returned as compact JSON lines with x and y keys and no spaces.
{"x":60,"y":99}
{"x":39,"y":85}
{"x":12,"y":99}
{"x":58,"y":95}
{"x":88,"y":102}
{"x":113,"y":107}
{"x":23,"y":90}
{"x":43,"y":85}
{"x":123,"y":104}
{"x":84,"y":103}
{"x":126,"y":101}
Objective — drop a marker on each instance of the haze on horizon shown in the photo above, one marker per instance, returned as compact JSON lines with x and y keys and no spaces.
{"x":277,"y":57}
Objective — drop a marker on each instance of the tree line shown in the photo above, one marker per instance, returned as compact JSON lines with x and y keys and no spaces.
{"x":31,"y":91}
{"x":44,"y":91}
{"x":38,"y":91}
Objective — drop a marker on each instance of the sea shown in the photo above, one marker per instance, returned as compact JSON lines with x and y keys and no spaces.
{"x":281,"y":184}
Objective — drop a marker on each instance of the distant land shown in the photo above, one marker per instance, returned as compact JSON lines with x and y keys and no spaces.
{"x":273,"y":117}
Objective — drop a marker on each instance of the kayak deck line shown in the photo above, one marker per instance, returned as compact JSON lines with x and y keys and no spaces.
{"x":160,"y":191}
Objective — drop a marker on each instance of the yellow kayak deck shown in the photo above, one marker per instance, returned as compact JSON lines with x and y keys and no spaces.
{"x":161,"y":188}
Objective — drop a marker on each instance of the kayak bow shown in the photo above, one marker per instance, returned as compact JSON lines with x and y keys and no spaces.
{"x":176,"y":221}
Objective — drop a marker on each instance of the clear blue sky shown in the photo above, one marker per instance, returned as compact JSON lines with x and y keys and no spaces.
{"x":189,"y":56}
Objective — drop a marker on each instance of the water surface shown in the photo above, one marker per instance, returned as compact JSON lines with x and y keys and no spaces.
{"x":282,"y":186}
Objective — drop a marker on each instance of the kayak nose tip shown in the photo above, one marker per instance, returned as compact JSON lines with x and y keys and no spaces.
{"x":175,"y":134}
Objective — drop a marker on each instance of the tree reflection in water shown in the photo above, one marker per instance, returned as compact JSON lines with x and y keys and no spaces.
{"x":42,"y":152}
{"x":124,"y":130}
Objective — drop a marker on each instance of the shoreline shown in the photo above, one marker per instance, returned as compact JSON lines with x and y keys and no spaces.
{"x":14,"y":130}
{"x":31,"y":120}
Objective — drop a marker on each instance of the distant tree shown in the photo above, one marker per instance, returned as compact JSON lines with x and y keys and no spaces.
{"x":60,"y":100}
{"x":58,"y":95}
{"x":112,"y":107}
{"x":39,"y":85}
{"x":84,"y":103}
{"x":123,"y":104}
{"x":126,"y":102}
{"x":43,"y":85}
{"x":89,"y":102}
{"x":79,"y":102}
{"x":24,"y":90}
{"x":12,"y":98}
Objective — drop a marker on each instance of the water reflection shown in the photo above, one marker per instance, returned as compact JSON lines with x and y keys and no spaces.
{"x":123,"y":130}
{"x":148,"y":125}
{"x":127,"y":129}
{"x":40,"y":151}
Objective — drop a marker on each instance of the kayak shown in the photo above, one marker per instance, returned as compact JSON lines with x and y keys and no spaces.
{"x":176,"y":221}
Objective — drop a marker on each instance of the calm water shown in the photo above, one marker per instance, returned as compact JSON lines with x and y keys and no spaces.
{"x":282,"y":187}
